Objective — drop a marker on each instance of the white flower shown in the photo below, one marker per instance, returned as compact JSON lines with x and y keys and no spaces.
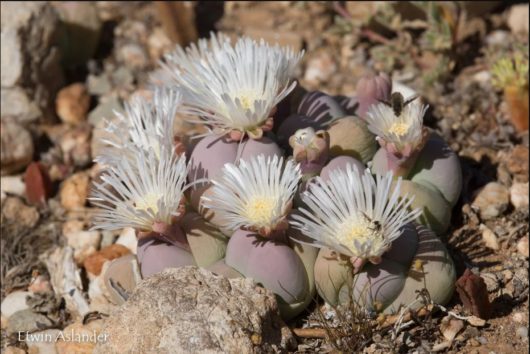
{"x":141,"y":191}
{"x":354,"y":214}
{"x":255,"y":195}
{"x":233,"y":88}
{"x":401,"y":134}
{"x":146,"y":124}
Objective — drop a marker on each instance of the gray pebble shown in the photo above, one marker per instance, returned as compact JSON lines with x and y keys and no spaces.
{"x":482,"y":340}
{"x":522,"y":332}
{"x":27,"y":320}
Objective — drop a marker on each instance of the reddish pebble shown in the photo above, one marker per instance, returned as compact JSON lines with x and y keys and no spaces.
{"x":94,"y":263}
{"x":38,"y":184}
{"x":474,"y":294}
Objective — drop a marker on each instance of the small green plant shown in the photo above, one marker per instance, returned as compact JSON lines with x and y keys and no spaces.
{"x":510,"y":73}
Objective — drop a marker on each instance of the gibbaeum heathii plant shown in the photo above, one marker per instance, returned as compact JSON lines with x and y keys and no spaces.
{"x":278,"y":188}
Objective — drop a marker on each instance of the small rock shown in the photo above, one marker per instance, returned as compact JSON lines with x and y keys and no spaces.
{"x":73,"y":226}
{"x":72,"y":103}
{"x":98,"y":85}
{"x":522,"y":246}
{"x":128,"y":239}
{"x":476,"y":321}
{"x":84,"y":243}
{"x":105,"y":109}
{"x":133,"y":56}
{"x":517,"y":163}
{"x":74,"y":191}
{"x":16,"y":147}
{"x":75,"y":145}
{"x":518,"y":317}
{"x":522,"y":332}
{"x":131,"y":30}
{"x":158,"y":44}
{"x":12,"y":61}
{"x":489,"y":237}
{"x":100,"y":300}
{"x":450,"y":327}
{"x":518,"y":18}
{"x":482,"y":77}
{"x":94,"y":263}
{"x":123,"y":77}
{"x":192,"y":319}
{"x":520,"y":283}
{"x":320,"y":68}
{"x":59,"y":172}
{"x":13,"y":185}
{"x":497,"y":38}
{"x":120,"y":278}
{"x":42,"y":342}
{"x":474,"y":342}
{"x":15,"y":210}
{"x":107,"y":238}
{"x":79,"y":338}
{"x":519,"y":195}
{"x":38,"y":185}
{"x":32,"y":31}
{"x":14,"y":302}
{"x":16,"y":103}
{"x":492,"y":200}
{"x":27,"y":320}
{"x":473,"y":293}
{"x":482,"y":340}
{"x":491,"y":280}
{"x":507,"y":274}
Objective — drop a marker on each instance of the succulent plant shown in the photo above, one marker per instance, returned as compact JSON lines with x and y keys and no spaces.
{"x":157,"y":252}
{"x":372,"y":89}
{"x":239,"y":207}
{"x":416,"y":260}
{"x":206,"y":242}
{"x":253,"y":201}
{"x":145,"y":191}
{"x":371,"y":251}
{"x":431,"y":169}
{"x":275,"y":265}
{"x":369,"y":91}
{"x":341,"y":133}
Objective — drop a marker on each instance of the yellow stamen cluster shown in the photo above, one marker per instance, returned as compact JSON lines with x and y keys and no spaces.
{"x":359,"y":230}
{"x":399,"y":128}
{"x":149,"y":201}
{"x":260,"y":210}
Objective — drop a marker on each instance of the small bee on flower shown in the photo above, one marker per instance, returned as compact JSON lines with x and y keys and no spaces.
{"x":145,"y":191}
{"x":256,"y":195}
{"x":145,"y":124}
{"x":398,"y":126}
{"x":354,"y":214}
{"x":234,"y":89}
